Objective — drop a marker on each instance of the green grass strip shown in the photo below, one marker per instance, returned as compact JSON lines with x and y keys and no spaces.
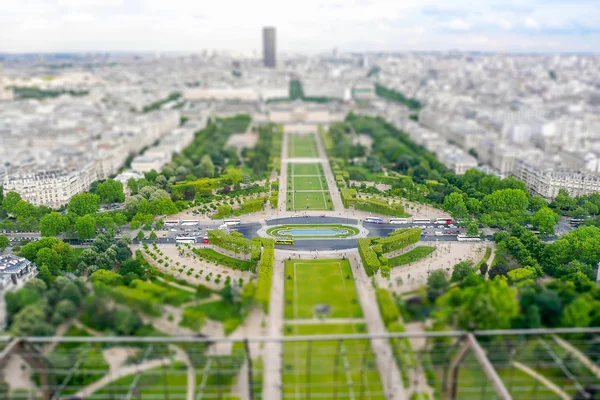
{"x":409,"y":257}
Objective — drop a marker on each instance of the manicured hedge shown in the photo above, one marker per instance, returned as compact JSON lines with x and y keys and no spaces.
{"x":379,"y":206}
{"x":368,"y":256}
{"x":211,"y":255}
{"x":387,"y":306}
{"x":253,"y":205}
{"x":400,"y":239}
{"x":230,"y":242}
{"x":265,"y":273}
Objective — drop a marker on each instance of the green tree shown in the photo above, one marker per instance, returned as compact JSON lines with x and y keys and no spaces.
{"x":537,"y":202}
{"x":489,"y":305}
{"x":10,"y":201}
{"x":578,"y":313}
{"x":140,"y":235}
{"x":563,"y":201}
{"x":71,"y":292}
{"x":153,"y":236}
{"x":545,"y":219}
{"x":110,"y":191}
{"x":85,"y":227}
{"x":64,"y":310}
{"x":579,"y":213}
{"x":472,"y":229}
{"x":483,"y":269}
{"x":51,"y":259}
{"x":84,"y":203}
{"x":498,"y":270}
{"x":462,"y":271}
{"x":505,"y":200}
{"x":31,"y":321}
{"x":207,"y":167}
{"x":53,"y":224}
{"x":4,"y":243}
{"x":23,"y":210}
{"x":132,"y":184}
{"x":437,"y":284}
{"x":454,"y":203}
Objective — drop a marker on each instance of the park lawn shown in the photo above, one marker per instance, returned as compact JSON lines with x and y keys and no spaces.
{"x":308,"y":183}
{"x":536,"y":357}
{"x":211,"y":255}
{"x":314,"y":200}
{"x":229,"y":314}
{"x":360,"y":380}
{"x":312,"y":282}
{"x":152,"y":384}
{"x":282,"y":231}
{"x":304,"y":169}
{"x":473,"y":384}
{"x":415,"y":254}
{"x":302,"y":146}
{"x":93,"y":366}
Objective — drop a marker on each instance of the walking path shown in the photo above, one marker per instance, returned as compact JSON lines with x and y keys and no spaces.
{"x":273,"y":354}
{"x":281,"y":202}
{"x":388,"y":369}
{"x":540,"y":378}
{"x":336,"y":198}
{"x":578,"y":354}
{"x":325,"y":321}
{"x":113,"y":376}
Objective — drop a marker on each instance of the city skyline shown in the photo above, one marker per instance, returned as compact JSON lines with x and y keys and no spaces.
{"x":152,"y":25}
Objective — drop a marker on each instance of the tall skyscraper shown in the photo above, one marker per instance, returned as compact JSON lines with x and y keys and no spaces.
{"x":269,"y":47}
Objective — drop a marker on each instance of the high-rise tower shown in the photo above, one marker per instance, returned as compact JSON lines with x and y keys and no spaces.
{"x":269,"y":47}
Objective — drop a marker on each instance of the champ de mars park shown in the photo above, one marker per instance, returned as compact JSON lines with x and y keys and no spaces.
{"x":339,"y":261}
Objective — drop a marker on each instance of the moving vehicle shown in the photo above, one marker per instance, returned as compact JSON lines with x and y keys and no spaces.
{"x":284,"y":241}
{"x":465,"y":238}
{"x":576,"y":221}
{"x":224,"y":227}
{"x":172,"y":222}
{"x":205,"y":239}
{"x":185,"y":239}
{"x":444,"y":220}
{"x":421,"y":221}
{"x":439,"y":233}
{"x":374,"y":220}
{"x":398,"y":220}
{"x":190,"y":222}
{"x":231,"y":222}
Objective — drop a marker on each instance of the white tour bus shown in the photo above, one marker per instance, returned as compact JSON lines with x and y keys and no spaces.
{"x":189,"y":222}
{"x":421,"y":221}
{"x":443,"y":220}
{"x":231,"y":222}
{"x":398,"y":220}
{"x":186,"y":239}
{"x":465,"y":238}
{"x":374,"y":220}
{"x":172,"y":222}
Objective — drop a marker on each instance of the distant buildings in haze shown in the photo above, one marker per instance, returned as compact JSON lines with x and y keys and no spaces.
{"x":269,"y":47}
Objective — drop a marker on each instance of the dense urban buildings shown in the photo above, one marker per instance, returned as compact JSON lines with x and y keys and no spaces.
{"x":67,"y":127}
{"x":269,"y":47}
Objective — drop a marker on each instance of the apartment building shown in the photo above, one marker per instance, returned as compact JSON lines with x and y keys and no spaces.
{"x":548,"y":180}
{"x":51,"y":188}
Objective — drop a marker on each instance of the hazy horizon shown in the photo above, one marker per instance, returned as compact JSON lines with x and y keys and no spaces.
{"x":526,"y":26}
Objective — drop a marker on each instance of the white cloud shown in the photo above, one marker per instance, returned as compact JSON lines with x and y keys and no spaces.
{"x":90,"y":3}
{"x":458,"y":24}
{"x":307,"y":25}
{"x":531,"y":23}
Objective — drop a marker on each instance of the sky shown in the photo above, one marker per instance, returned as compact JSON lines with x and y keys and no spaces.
{"x":550,"y":26}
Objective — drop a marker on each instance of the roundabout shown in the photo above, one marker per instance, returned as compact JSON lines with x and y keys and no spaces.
{"x":309,"y":231}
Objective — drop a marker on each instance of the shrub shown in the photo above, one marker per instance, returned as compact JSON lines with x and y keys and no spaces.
{"x":387,"y":306}
{"x":368,"y":256}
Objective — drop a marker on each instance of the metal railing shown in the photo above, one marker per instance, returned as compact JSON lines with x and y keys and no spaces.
{"x":503,"y":364}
